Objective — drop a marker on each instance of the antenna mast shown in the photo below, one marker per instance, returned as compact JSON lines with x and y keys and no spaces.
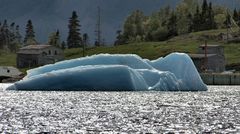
{"x":98,"y":31}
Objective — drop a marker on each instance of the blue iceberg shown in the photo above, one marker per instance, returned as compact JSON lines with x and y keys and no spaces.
{"x":118,"y":72}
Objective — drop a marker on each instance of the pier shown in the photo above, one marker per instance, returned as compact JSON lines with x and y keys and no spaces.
{"x":221,"y":79}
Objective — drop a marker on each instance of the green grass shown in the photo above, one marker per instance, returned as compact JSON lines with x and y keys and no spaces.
{"x":152,"y":50}
{"x":7,"y":59}
{"x":188,"y":43}
{"x":232,"y":53}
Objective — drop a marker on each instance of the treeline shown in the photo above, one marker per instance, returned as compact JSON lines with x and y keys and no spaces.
{"x":189,"y":16}
{"x":11,"y":39}
{"x":74,"y":40}
{"x":236,"y":16}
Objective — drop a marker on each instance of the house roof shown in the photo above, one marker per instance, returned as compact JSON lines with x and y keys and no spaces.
{"x":210,"y":45}
{"x":201,"y":56}
{"x":33,"y":49}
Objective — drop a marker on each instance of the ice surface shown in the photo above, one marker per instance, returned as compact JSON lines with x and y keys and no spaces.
{"x":182,"y":67}
{"x":95,"y":77}
{"x":130,"y":60}
{"x":119,"y":72}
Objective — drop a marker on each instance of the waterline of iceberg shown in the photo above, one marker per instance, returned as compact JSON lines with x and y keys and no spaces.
{"x":118,"y":72}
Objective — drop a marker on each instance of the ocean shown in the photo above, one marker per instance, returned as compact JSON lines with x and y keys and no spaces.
{"x":213,"y":111}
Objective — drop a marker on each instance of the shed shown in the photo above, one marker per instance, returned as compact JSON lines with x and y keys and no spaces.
{"x":210,"y":58}
{"x":38,"y":55}
{"x":212,"y":62}
{"x":211,"y":49}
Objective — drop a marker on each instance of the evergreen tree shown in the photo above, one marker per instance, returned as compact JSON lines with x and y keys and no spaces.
{"x":190,"y":23}
{"x":12,"y":32}
{"x":63,"y":45}
{"x":172,"y":25}
{"x":139,"y":18}
{"x":85,"y":39}
{"x":204,"y":8}
{"x":197,"y":20}
{"x":227,"y":22}
{"x":5,"y":35}
{"x":13,"y":44}
{"x":160,"y":34}
{"x":30,"y":34}
{"x":204,"y":17}
{"x":133,"y":26}
{"x":9,"y":37}
{"x":183,"y":10}
{"x":74,"y":39}
{"x":12,"y":27}
{"x":120,"y":39}
{"x":189,"y":17}
{"x":238,"y":18}
{"x":18,"y":35}
{"x":54,"y":39}
{"x":235,"y":15}
{"x":5,"y":25}
{"x":157,"y":25}
{"x":210,"y":19}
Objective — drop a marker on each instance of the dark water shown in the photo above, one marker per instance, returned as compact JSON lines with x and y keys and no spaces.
{"x":217,"y":110}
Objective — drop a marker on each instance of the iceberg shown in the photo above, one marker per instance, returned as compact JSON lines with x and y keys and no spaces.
{"x":117,"y":72}
{"x":182,"y":66}
{"x":130,"y":60}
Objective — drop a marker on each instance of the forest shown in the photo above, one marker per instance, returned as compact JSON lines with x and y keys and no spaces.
{"x":188,"y":16}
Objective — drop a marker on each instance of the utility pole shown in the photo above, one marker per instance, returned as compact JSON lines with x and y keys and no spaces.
{"x":85,"y":40}
{"x":228,"y":25}
{"x":98,"y":31}
{"x":205,"y":54}
{"x":84,"y":45}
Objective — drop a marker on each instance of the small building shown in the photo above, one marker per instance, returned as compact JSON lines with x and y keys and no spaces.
{"x":38,"y":55}
{"x":211,"y":49}
{"x":209,"y":58}
{"x":8,"y":72}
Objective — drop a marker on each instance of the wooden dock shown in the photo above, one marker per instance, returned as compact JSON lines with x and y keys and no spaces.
{"x":221,"y":79}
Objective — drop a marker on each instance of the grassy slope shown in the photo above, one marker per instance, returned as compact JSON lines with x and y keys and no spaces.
{"x":7,"y":59}
{"x":152,"y":50}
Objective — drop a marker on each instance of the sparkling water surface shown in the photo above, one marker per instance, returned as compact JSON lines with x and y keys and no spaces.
{"x":217,"y":110}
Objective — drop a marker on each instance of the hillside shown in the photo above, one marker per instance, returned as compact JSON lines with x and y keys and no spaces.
{"x":153,"y":50}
